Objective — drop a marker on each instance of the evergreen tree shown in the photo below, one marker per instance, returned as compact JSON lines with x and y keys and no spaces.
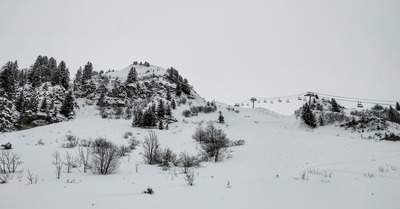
{"x":137,"y":119}
{"x":168,"y":111}
{"x":178,"y":90}
{"x":397,"y":106}
{"x":7,"y":79}
{"x":316,"y":96}
{"x":19,"y":103}
{"x":78,"y":77}
{"x":160,"y":125}
{"x":87,"y":72}
{"x":64,"y":74}
{"x":393,"y":115}
{"x":132,"y":76}
{"x":307,"y":116}
{"x":168,"y":95}
{"x":221,"y":118}
{"x":43,"y":106}
{"x":149,"y":118}
{"x":335,"y":105}
{"x":173,"y":104}
{"x":153,"y":108}
{"x":67,"y":106}
{"x":160,"y":109}
{"x":100,"y":101}
{"x":33,"y":102}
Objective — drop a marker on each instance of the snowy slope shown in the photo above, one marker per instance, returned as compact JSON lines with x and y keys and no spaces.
{"x":264,"y":173}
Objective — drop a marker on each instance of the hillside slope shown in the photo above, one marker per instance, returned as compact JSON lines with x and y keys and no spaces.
{"x":340,"y":169}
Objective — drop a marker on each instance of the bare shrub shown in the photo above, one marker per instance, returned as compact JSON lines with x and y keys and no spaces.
{"x":215,"y":142}
{"x":127,"y":134}
{"x":58,"y":164}
{"x":200,"y":133}
{"x":32,"y":179}
{"x":133,"y":142}
{"x":187,"y":113}
{"x":72,"y":141}
{"x":239,"y":142}
{"x":69,"y":161}
{"x":190,"y":177}
{"x":303,"y":175}
{"x":105,"y":157}
{"x":4,"y":178}
{"x":9,"y":161}
{"x":84,"y":156}
{"x":85,"y":143}
{"x":167,"y":159}
{"x":186,"y":162}
{"x":124,"y":150}
{"x":151,"y":148}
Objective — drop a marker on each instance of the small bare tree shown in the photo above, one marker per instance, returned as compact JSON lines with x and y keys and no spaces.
{"x":151,"y":148}
{"x":9,"y":161}
{"x":105,"y":157}
{"x":58,"y":164}
{"x":69,"y":161}
{"x":31,"y":178}
{"x":190,"y":177}
{"x":84,"y":158}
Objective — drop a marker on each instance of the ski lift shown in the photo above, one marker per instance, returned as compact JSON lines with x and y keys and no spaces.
{"x":258,"y":101}
{"x":248,"y":104}
{"x":359,"y":105}
{"x":325,"y":100}
{"x":287,"y":101}
{"x":237,"y":105}
{"x":304,"y":99}
{"x":299,"y":98}
{"x":272,"y":101}
{"x":279,"y":100}
{"x":265,"y":101}
{"x":242,"y":104}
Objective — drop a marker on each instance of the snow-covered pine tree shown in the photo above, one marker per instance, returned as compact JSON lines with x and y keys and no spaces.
{"x":160,"y":109}
{"x":132,"y":76}
{"x":67,"y":106}
{"x":397,"y":106}
{"x":87,"y":72}
{"x":307,"y":116}
{"x":335,"y":105}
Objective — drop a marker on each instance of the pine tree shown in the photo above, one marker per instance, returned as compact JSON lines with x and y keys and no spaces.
{"x":132,"y":76}
{"x":67,"y":106}
{"x":64,"y":74}
{"x":168,"y":111}
{"x":160,"y":109}
{"x":221,"y":118}
{"x":173,"y":104}
{"x":149,"y":118}
{"x":307,"y":116}
{"x":7,"y":79}
{"x":19,"y":103}
{"x":168,"y":94}
{"x":43,"y":106}
{"x":100,"y":101}
{"x":87,"y":72}
{"x":335,"y":105}
{"x":397,"y":106}
{"x":178,"y":90}
{"x":160,"y":125}
{"x":78,"y":77}
{"x":393,"y":115}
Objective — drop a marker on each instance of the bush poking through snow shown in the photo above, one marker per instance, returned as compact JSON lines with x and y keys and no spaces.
{"x":215,"y":141}
{"x":190,"y":177}
{"x":4,"y":178}
{"x":58,"y":164}
{"x":149,"y":190}
{"x":133,"y":143}
{"x":187,"y":162}
{"x":127,"y":134}
{"x":239,"y":142}
{"x":168,"y":159}
{"x":72,"y":141}
{"x":32,"y":179}
{"x":105,"y":157}
{"x":151,"y":148}
{"x":9,"y":161}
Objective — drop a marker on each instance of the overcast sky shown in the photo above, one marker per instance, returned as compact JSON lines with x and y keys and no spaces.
{"x":228,"y":50}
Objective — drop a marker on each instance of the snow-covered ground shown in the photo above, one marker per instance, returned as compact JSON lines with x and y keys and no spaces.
{"x":342,"y":170}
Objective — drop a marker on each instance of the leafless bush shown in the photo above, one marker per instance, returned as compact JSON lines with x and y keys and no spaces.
{"x":32,"y":179}
{"x":127,"y":134}
{"x":168,"y":159}
{"x":187,"y":162}
{"x":151,"y":148}
{"x":133,"y":142}
{"x":190,"y":177}
{"x":85,"y":143}
{"x":69,"y":161}
{"x":124,"y":150}
{"x":72,"y":141}
{"x":105,"y":157}
{"x":4,"y":178}
{"x":9,"y":161}
{"x":215,"y":142}
{"x":58,"y":164}
{"x":239,"y":142}
{"x":303,"y":175}
{"x":84,"y":156}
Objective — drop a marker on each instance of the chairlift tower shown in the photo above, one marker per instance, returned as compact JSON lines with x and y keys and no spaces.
{"x":253,"y":99}
{"x":310,"y":94}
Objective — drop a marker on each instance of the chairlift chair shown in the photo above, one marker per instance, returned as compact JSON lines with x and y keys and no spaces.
{"x":359,"y":105}
{"x":287,"y":101}
{"x":299,"y":98}
{"x":248,"y":104}
{"x":265,"y":101}
{"x":272,"y":101}
{"x":304,"y":99}
{"x":279,"y":100}
{"x":242,"y":104}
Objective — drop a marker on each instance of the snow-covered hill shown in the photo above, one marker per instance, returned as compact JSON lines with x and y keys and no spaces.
{"x":282,"y":165}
